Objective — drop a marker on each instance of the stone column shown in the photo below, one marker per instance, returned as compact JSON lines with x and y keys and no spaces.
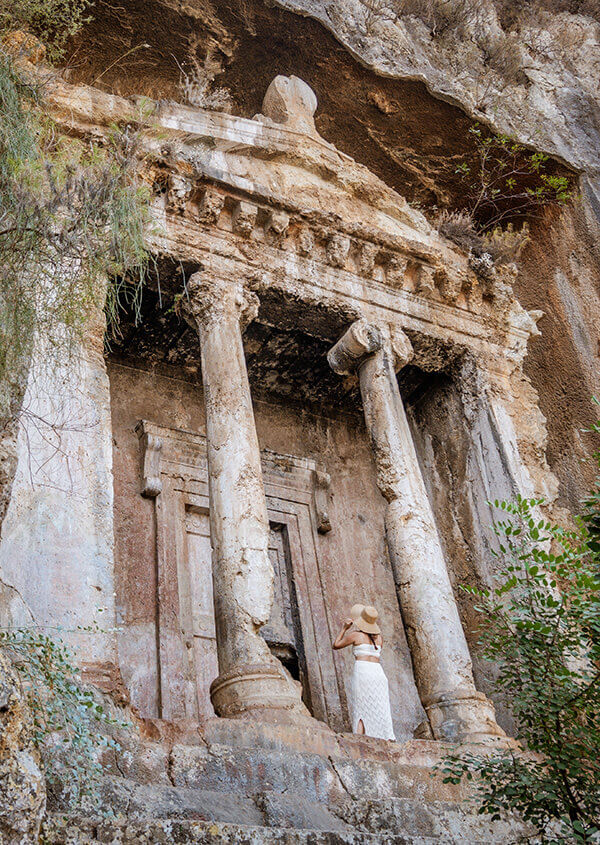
{"x":250,"y":678}
{"x":441,"y":660}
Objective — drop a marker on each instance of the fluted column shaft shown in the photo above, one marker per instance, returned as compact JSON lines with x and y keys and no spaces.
{"x":250,"y":678}
{"x":440,"y":654}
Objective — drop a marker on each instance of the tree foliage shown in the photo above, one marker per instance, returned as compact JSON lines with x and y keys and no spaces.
{"x":72,"y":212}
{"x":540,"y":626}
{"x":72,"y":221}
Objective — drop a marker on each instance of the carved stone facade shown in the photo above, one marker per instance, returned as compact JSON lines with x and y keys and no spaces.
{"x":246,"y":522}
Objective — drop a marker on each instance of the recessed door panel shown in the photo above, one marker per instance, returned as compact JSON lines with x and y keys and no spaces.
{"x":200,"y":618}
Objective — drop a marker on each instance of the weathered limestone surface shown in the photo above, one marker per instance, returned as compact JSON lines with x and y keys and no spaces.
{"x":544,"y":94}
{"x":238,"y":781}
{"x":56,"y":556}
{"x":250,"y":202}
{"x":267,"y":207}
{"x":400,"y":96}
{"x":351,"y":558}
{"x":552,"y":106}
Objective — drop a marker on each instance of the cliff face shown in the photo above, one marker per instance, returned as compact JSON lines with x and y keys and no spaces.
{"x":399,"y":85}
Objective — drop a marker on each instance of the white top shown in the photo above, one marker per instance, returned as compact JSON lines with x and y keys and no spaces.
{"x":366,"y":650}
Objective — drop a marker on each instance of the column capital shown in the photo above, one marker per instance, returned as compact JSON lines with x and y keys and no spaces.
{"x":210,"y":299}
{"x":363,"y":339}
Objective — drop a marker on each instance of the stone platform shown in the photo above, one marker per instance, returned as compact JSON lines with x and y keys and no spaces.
{"x":239,"y":781}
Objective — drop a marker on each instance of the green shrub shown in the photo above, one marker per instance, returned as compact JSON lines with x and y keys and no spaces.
{"x":53,"y":22}
{"x":73,"y":216}
{"x":70,"y":726}
{"x":506,"y":182}
{"x":540,"y":626}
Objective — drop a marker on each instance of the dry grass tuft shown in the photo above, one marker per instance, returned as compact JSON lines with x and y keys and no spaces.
{"x":442,"y":16}
{"x":504,"y":246}
{"x":197,"y":84}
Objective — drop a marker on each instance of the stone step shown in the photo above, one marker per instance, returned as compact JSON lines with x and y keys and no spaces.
{"x":150,"y":807}
{"x":246,"y":758}
{"x":441,"y":821}
{"x":255,"y":781}
{"x":61,"y":829}
{"x":136,"y":802}
{"x":317,"y":777}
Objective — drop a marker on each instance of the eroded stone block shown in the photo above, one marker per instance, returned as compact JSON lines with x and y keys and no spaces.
{"x":306,"y":241}
{"x":278,"y":222}
{"x":246,"y":771}
{"x":211,"y":206}
{"x":425,"y":279}
{"x":449,"y":286}
{"x":338,"y":248}
{"x":367,"y":256}
{"x":180,"y":189}
{"x":395,"y":271}
{"x":244,"y":218}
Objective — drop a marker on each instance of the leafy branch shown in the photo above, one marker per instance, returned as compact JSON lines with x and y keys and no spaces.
{"x":508,"y":181}
{"x":540,"y":626}
{"x":71,"y":727}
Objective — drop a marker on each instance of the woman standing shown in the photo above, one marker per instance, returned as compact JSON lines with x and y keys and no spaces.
{"x":370,"y":704}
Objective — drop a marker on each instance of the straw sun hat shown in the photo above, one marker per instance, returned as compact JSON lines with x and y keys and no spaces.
{"x":365,"y":618}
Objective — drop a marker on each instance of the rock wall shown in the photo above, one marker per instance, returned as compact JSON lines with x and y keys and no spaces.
{"x":560,"y":273}
{"x":56,"y":557}
{"x":22,"y":786}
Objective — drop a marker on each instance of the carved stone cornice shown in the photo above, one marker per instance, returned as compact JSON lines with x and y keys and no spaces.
{"x":209,"y":299}
{"x":264,"y":268}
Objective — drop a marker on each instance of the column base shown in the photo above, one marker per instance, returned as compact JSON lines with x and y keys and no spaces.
{"x":259,"y":690}
{"x":462,"y":716}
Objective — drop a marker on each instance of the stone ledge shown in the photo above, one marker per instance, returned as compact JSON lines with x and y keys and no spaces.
{"x":62,"y":830}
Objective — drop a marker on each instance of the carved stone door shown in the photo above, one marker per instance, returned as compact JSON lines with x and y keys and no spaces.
{"x":298,"y":631}
{"x":283,"y":631}
{"x":197,"y":610}
{"x":198,"y":615}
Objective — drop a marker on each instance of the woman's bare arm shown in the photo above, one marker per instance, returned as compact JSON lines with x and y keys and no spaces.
{"x":345,"y":638}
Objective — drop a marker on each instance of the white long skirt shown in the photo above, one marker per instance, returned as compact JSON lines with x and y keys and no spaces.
{"x":371,"y":700}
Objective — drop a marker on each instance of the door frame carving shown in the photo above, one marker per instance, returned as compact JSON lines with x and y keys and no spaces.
{"x":297,"y":497}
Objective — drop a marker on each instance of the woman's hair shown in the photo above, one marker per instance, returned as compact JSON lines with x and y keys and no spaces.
{"x":372,"y":638}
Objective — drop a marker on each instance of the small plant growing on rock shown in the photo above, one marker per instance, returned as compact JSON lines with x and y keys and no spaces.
{"x":443,"y":16}
{"x":540,"y":626}
{"x":70,"y":726}
{"x":503,"y":246}
{"x":508,"y":182}
{"x":198,"y":88}
{"x":53,"y":22}
{"x":459,"y":227}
